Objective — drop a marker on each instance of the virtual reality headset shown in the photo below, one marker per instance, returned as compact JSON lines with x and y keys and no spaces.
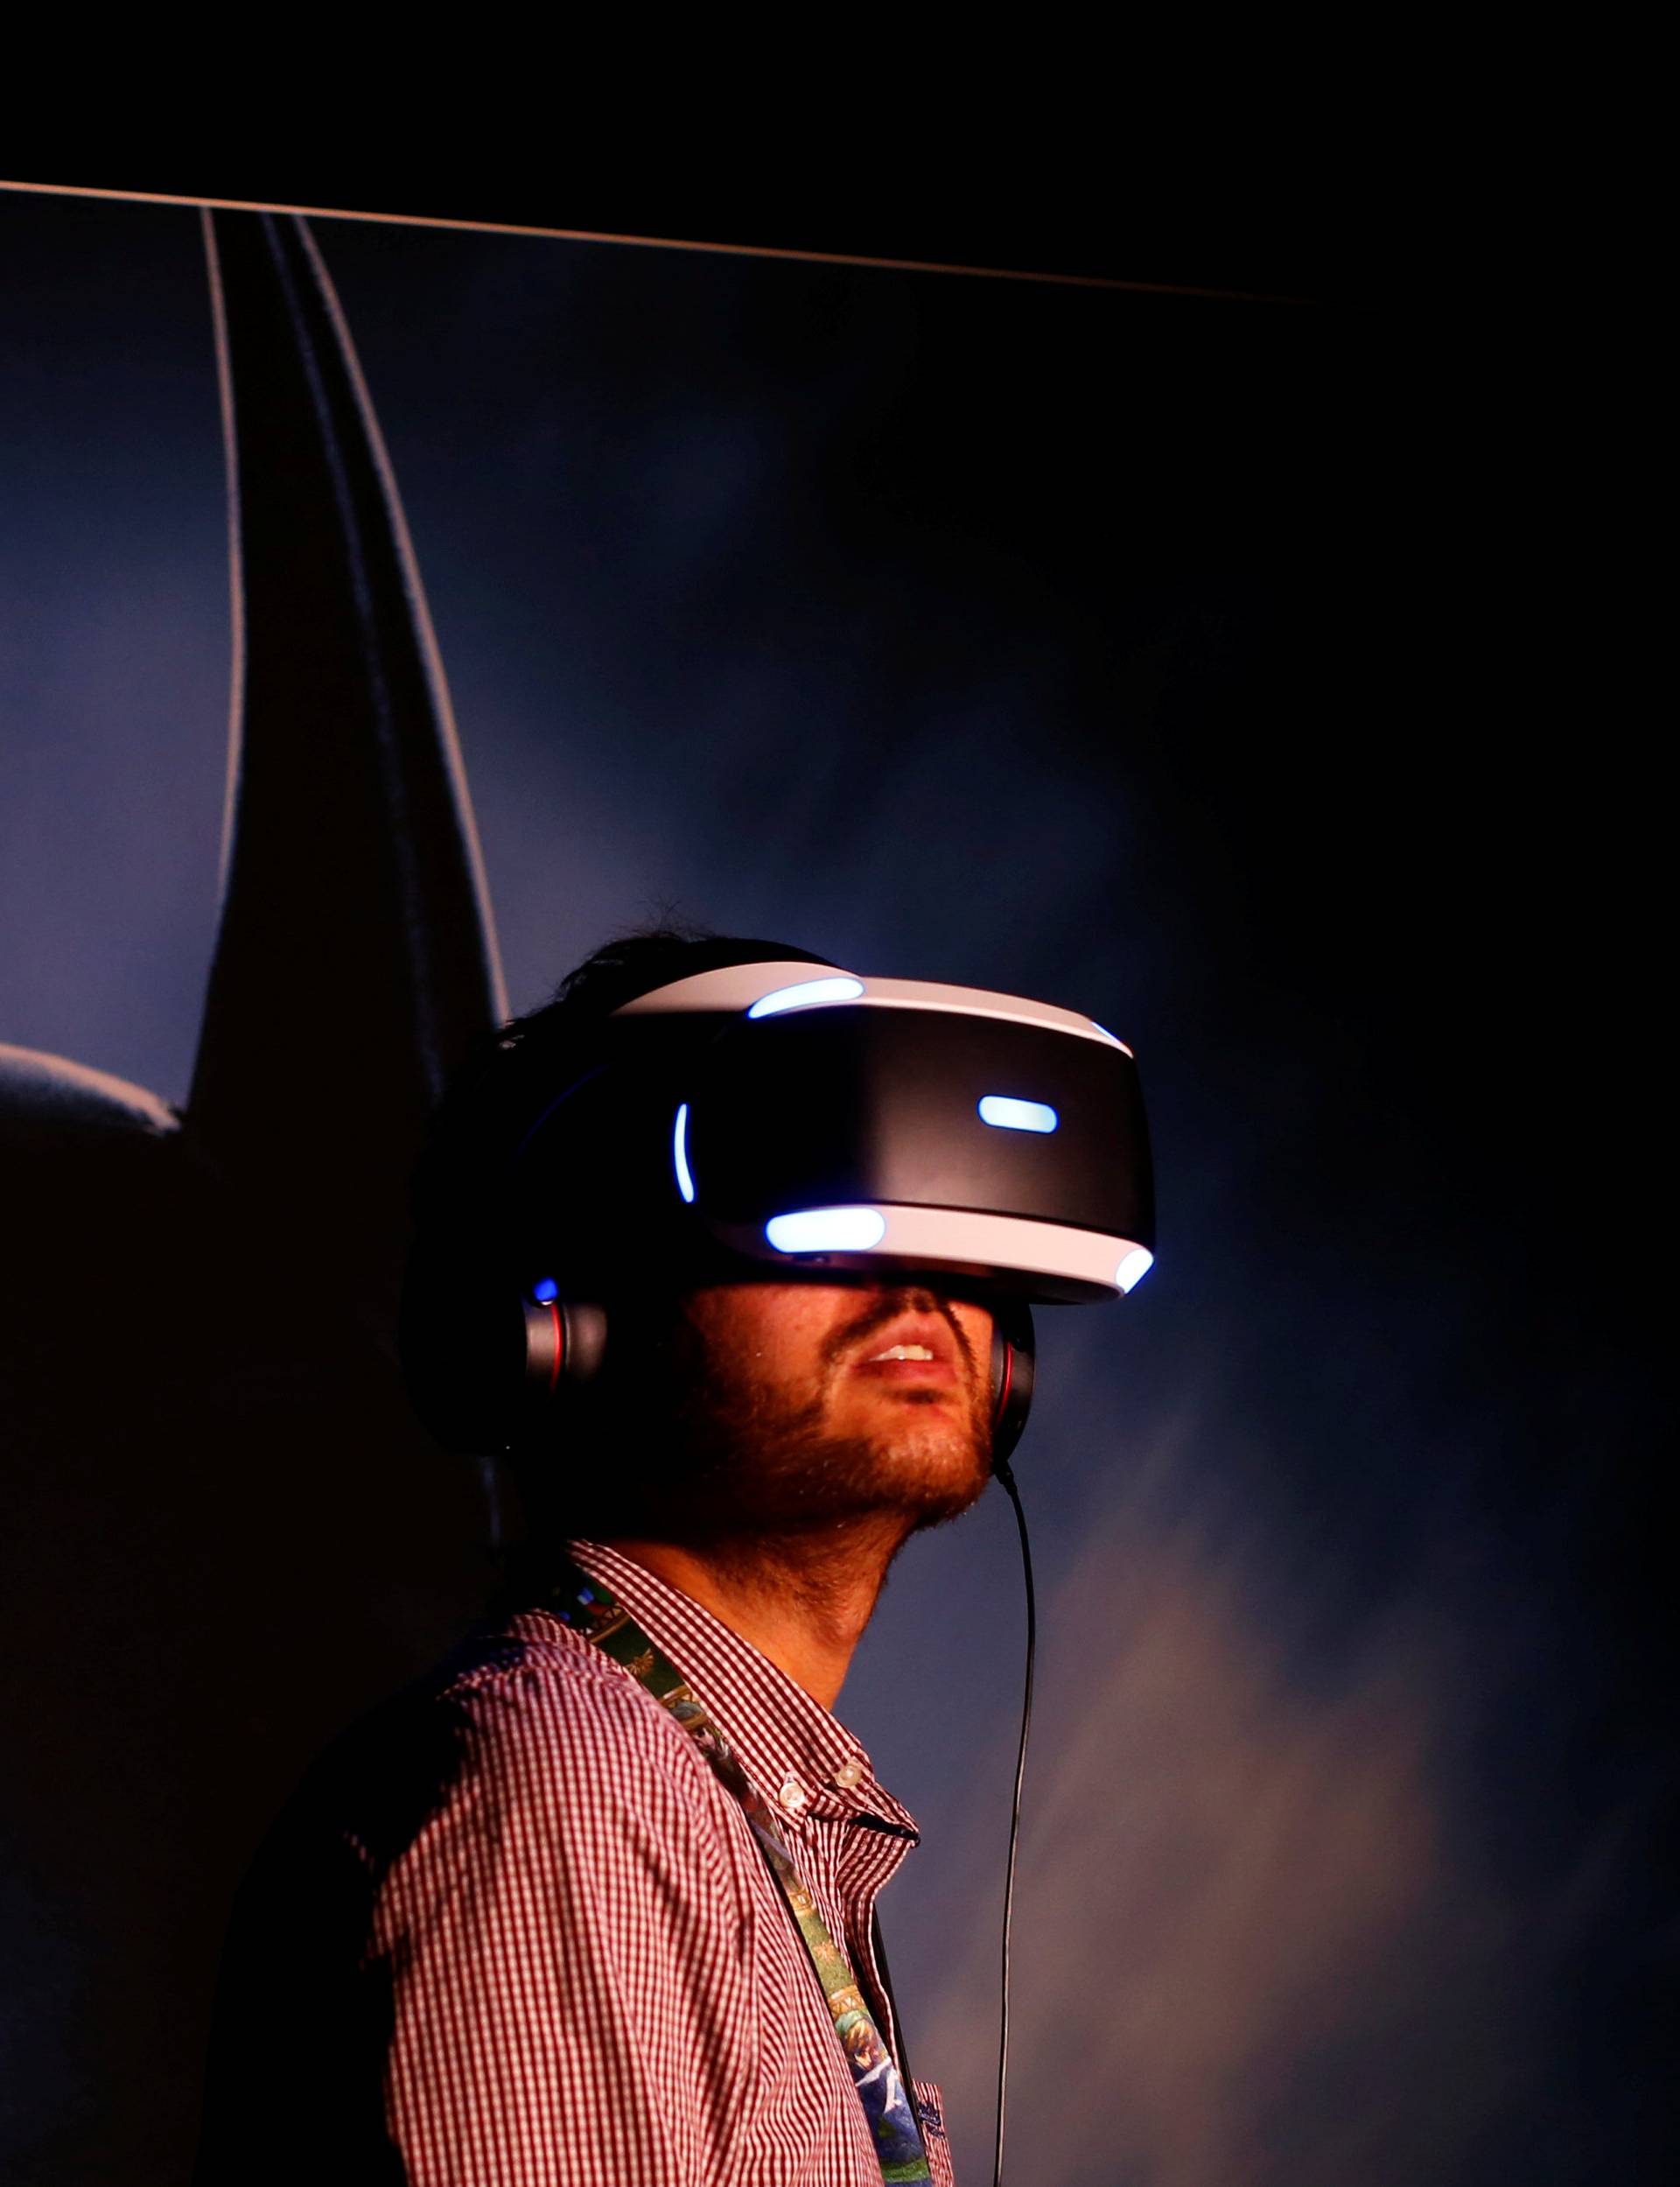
{"x":788,"y":1117}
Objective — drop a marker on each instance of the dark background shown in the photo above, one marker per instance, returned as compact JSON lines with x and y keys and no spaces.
{"x":1245,"y":674}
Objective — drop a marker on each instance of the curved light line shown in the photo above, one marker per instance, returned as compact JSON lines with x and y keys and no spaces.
{"x":807,"y":995}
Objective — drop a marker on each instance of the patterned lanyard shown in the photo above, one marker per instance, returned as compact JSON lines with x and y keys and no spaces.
{"x":589,"y":1608}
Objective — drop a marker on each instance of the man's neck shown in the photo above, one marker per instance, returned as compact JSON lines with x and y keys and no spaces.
{"x":803,"y":1599}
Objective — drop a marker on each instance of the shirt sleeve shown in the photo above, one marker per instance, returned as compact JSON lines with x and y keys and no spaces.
{"x":567,"y":1942}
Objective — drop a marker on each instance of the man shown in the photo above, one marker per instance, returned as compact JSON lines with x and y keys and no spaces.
{"x":596,"y":1903}
{"x":519,"y":1929}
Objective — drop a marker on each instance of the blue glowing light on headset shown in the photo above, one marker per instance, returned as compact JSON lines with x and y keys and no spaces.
{"x":545,"y":1291}
{"x":680,"y":1153}
{"x":1009,"y":1115}
{"x":808,"y":990}
{"x":827,"y":1230}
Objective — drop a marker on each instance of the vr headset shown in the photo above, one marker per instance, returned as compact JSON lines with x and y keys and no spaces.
{"x":780,"y":1120}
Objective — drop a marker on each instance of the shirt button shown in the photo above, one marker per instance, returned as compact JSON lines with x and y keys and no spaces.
{"x":847,"y":1774}
{"x":793,"y":1796}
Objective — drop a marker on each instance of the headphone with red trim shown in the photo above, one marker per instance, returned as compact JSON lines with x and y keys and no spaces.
{"x":565,"y":1343}
{"x":491,"y":1372}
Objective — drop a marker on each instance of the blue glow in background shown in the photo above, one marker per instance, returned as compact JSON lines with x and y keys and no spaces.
{"x":1107,"y":651}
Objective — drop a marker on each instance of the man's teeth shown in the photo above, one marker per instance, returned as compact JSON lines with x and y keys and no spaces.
{"x":905,"y":1351}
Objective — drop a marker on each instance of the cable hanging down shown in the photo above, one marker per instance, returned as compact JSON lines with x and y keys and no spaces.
{"x":1002,"y":1469}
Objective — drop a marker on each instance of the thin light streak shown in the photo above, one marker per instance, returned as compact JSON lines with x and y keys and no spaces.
{"x":660,"y":242}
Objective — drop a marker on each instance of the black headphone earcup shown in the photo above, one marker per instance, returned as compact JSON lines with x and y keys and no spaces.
{"x":484,"y":1365}
{"x":565,"y":1340}
{"x":1013,"y":1362}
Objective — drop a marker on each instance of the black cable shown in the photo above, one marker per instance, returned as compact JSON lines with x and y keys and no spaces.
{"x":1001,"y":1469}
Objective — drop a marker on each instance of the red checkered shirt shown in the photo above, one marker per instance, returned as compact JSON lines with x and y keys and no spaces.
{"x":522,"y":1905}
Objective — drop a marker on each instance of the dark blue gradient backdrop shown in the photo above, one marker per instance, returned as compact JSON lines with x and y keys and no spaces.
{"x":1175,"y":662}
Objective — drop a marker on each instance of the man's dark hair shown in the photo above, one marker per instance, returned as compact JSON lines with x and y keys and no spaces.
{"x":497,"y":1096}
{"x":464,"y":1208}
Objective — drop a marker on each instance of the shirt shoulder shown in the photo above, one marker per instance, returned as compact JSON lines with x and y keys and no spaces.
{"x":527,"y":1727}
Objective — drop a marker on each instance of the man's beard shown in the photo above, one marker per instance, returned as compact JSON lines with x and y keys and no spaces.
{"x":702,"y":1439}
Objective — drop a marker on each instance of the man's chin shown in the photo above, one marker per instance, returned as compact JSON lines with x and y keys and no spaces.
{"x":924,"y":1458}
{"x":930,"y":1477}
{"x":829,"y":1481}
{"x":924,"y":1450}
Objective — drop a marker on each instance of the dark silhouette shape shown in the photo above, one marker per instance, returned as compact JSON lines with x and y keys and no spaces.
{"x":225,"y":1535}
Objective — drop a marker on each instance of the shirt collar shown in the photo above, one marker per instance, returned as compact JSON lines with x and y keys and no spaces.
{"x":799,"y":1755}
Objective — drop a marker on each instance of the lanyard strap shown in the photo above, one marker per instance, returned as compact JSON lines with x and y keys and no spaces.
{"x":592,"y":1609}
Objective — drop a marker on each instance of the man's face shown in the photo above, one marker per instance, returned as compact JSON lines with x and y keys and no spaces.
{"x":807,"y":1404}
